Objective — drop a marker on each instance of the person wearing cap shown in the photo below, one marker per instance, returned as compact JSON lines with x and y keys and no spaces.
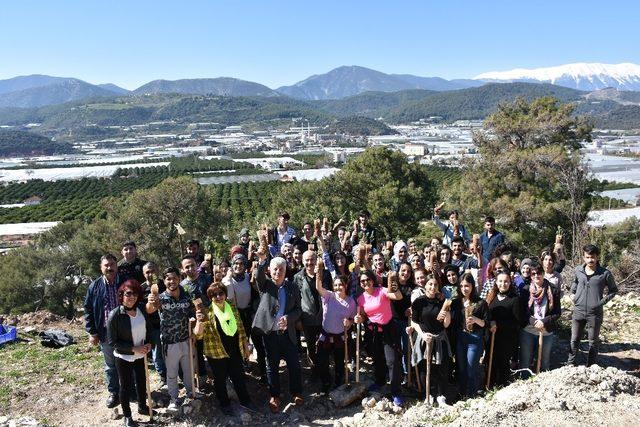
{"x":130,"y":265}
{"x":243,"y":297}
{"x":522,"y":279}
{"x":282,"y":234}
{"x":243,"y":239}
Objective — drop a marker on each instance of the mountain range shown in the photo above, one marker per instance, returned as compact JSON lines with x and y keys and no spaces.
{"x":339,"y":83}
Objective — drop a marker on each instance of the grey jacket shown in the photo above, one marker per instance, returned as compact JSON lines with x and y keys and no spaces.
{"x":588,"y":293}
{"x":310,"y":298}
{"x":268,"y":306}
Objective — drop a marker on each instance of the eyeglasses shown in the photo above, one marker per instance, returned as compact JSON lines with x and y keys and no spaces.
{"x":130,"y":294}
{"x":364,"y":280}
{"x":219,"y":294}
{"x":535,"y":273}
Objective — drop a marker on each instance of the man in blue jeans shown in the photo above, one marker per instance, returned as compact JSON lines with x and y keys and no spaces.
{"x":276,"y":317}
{"x":101,"y":298}
{"x":150,"y":271}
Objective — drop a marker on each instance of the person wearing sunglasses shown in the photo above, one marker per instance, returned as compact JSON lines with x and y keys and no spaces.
{"x":541,"y":314}
{"x":382,"y":337}
{"x":225,"y":346}
{"x":129,"y":333}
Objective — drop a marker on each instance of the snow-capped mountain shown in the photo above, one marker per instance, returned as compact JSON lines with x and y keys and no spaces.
{"x":582,"y":76}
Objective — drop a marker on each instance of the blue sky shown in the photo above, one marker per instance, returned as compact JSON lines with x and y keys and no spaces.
{"x":280,"y":42}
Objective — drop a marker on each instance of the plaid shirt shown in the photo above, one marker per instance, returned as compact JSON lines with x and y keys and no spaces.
{"x":213,"y":347}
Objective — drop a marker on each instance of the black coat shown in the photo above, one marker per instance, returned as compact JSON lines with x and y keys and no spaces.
{"x":119,"y":330}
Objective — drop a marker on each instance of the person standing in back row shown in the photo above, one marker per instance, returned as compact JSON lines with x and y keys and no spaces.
{"x":587,"y":294}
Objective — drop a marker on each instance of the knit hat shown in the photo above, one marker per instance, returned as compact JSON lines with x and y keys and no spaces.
{"x":239,"y":257}
{"x":243,"y":232}
{"x":237,"y":250}
{"x":526,"y":261}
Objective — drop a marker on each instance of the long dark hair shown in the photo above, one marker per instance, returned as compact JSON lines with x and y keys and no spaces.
{"x":494,"y":290}
{"x":468,"y":277}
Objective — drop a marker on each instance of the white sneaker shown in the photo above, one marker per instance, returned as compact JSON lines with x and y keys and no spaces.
{"x":173,"y":406}
{"x":442,"y":401}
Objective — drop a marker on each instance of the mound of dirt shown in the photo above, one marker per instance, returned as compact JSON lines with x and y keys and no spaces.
{"x":36,"y":318}
{"x":565,"y":396}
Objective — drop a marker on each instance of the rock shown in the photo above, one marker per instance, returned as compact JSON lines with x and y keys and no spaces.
{"x":358,"y":417}
{"x":396,"y":409}
{"x":371,"y":402}
{"x":115,"y":413}
{"x":186,"y":409}
{"x":245,"y":417}
{"x":196,"y":405}
{"x":381,"y":406}
{"x":59,"y":380}
{"x":345,"y":395}
{"x":338,"y":424}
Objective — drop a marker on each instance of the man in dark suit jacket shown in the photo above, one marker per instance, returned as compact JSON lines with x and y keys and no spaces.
{"x":276,"y":318}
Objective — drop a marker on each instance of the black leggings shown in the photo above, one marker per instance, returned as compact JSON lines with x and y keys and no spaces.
{"x":325,"y":351}
{"x":229,"y":367}
{"x":384,"y":347}
{"x":126,"y":371}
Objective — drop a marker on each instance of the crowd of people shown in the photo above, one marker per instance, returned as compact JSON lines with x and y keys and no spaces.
{"x":463,"y":310}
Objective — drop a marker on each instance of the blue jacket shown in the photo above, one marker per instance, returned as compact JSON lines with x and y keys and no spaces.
{"x":94,"y":307}
{"x":490,"y":244}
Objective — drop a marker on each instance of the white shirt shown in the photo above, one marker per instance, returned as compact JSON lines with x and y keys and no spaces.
{"x":138,"y":333}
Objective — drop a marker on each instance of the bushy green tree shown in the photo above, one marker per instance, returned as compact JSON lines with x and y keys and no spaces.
{"x":398,"y":194}
{"x":529,"y":173}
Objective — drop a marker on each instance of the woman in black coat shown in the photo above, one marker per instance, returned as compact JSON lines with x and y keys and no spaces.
{"x":505,"y":314}
{"x":128,"y":332}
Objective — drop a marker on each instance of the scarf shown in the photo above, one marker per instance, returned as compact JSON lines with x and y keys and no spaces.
{"x":226,"y":318}
{"x":537,"y":294}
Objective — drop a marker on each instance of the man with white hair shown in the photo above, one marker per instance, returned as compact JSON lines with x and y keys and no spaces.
{"x":276,"y":317}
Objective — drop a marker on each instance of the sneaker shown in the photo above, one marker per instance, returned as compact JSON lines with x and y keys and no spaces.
{"x":397,"y":401}
{"x":113,"y":401}
{"x":173,"y":406}
{"x":442,"y":401}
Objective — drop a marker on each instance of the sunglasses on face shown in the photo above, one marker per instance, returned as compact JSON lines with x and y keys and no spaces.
{"x":130,"y":294}
{"x":535,"y":273}
{"x":364,"y":281}
{"x":219,"y":294}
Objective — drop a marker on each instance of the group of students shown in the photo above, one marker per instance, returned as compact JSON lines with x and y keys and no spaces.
{"x":440,"y":309}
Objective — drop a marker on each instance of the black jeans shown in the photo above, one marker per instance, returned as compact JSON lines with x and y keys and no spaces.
{"x":278,"y":346}
{"x":229,"y":368}
{"x":126,"y":371}
{"x":593,"y":324}
{"x":311,"y":334}
{"x":384,"y":347}
{"x":325,"y":351}
{"x":439,"y":379}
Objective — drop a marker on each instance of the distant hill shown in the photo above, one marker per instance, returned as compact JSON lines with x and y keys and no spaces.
{"x":114,"y":88}
{"x":90,"y":118}
{"x":620,"y":117}
{"x":352,"y":80}
{"x":371,"y":104}
{"x":476,"y":103}
{"x":437,"y":83}
{"x":19,"y":143}
{"x":223,"y":86}
{"x":360,"y":126}
{"x":582,"y":76}
{"x":38,"y":90}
